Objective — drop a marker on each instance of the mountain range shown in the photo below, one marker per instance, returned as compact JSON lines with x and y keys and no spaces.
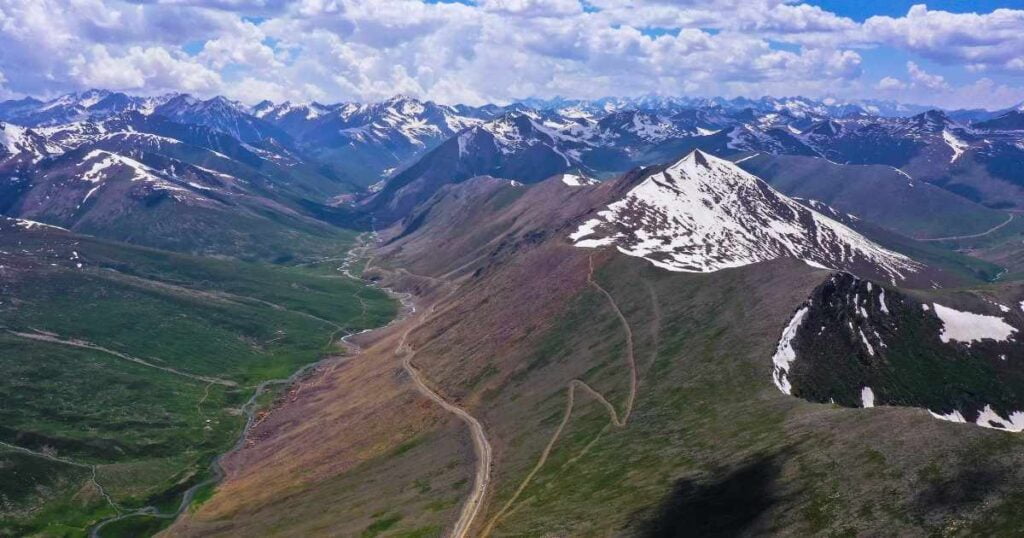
{"x":647,"y":317}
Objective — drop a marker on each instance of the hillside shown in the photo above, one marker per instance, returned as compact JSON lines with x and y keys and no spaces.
{"x":130,"y":369}
{"x":877,"y":194}
{"x":595,"y":373}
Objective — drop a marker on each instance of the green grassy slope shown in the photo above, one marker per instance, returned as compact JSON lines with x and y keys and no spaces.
{"x":204,"y":332}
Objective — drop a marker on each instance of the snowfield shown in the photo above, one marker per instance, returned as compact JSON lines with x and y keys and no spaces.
{"x":968,"y":327}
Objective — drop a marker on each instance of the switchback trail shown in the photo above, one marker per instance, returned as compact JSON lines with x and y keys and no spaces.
{"x":613,"y":416}
{"x":481,"y":446}
{"x":972,"y":236}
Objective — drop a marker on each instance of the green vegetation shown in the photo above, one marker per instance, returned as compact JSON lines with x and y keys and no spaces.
{"x":385,"y":522}
{"x":712,"y":448}
{"x":170,"y":347}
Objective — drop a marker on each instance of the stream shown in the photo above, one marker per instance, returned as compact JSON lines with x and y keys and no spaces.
{"x":249,"y":408}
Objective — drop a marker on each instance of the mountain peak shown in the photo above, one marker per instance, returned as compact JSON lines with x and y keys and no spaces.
{"x":698,"y":157}
{"x":705,"y":214}
{"x":932,"y":120}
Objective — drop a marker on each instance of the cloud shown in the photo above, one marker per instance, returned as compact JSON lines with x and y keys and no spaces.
{"x":532,"y":8}
{"x":923,"y":79}
{"x":488,"y":50}
{"x":887,"y":84}
{"x":994,"y":39}
{"x":245,"y":46}
{"x":152,"y":69}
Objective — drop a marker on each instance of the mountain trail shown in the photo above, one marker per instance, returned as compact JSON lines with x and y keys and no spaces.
{"x":481,"y":445}
{"x":52,"y":457}
{"x":613,"y":415}
{"x":973,"y":236}
{"x":53,"y":339}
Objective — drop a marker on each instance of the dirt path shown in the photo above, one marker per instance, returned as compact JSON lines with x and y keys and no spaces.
{"x":248,"y":409}
{"x":613,"y":415}
{"x":92,"y":469}
{"x":481,"y":446}
{"x":972,"y":236}
{"x":44,"y":337}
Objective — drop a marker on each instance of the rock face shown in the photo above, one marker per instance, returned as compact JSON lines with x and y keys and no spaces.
{"x":703,"y":214}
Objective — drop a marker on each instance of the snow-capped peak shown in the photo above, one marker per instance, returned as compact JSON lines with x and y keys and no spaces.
{"x":704,"y":214}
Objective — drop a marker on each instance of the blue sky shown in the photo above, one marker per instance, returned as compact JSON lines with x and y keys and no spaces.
{"x":951,"y":53}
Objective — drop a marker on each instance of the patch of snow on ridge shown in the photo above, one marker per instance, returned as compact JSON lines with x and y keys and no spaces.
{"x":141,"y":171}
{"x":988,"y":418}
{"x":785,"y":354}
{"x":574,"y":180}
{"x":704,"y":214}
{"x":968,"y":327}
{"x":867,"y":397}
{"x":954,"y":416}
{"x":958,"y":146}
{"x":29,"y":224}
{"x":102,"y":160}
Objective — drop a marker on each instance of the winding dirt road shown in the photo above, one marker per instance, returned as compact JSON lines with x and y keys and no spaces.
{"x":481,"y":446}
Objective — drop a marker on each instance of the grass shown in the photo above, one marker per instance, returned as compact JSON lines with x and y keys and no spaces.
{"x":51,"y":497}
{"x":95,"y":408}
{"x":150,"y":432}
{"x":385,"y":522}
{"x":711,"y":442}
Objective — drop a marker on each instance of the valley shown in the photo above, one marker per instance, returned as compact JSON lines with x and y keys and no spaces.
{"x":138,"y":367}
{"x":721,"y":317}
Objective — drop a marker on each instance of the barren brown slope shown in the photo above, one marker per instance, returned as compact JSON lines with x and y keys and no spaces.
{"x":711,"y":446}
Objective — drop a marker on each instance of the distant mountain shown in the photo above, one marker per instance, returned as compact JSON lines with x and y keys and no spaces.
{"x":515,"y":146}
{"x":366,"y":146}
{"x":1011,"y":120}
{"x":367,"y":142}
{"x":879,"y":194}
{"x":222,"y":115}
{"x":73,"y":107}
{"x":158,"y":182}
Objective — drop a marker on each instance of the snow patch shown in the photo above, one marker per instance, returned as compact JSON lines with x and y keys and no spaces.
{"x":958,"y":146}
{"x":968,"y":327}
{"x":867,"y":397}
{"x":784,"y":352}
{"x":990,"y":419}
{"x":871,"y":350}
{"x":953,"y":416}
{"x":29,"y":224}
{"x":574,"y":180}
{"x":987,"y":418}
